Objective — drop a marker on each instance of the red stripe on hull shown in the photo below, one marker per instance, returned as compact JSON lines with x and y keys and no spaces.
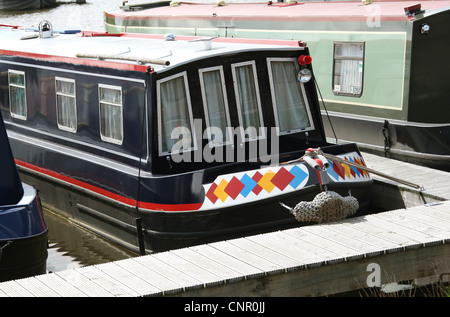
{"x":110,"y":195}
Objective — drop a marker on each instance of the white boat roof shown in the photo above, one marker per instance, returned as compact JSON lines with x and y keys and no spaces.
{"x":103,"y":48}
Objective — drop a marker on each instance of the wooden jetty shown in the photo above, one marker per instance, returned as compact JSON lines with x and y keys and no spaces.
{"x":319,"y":260}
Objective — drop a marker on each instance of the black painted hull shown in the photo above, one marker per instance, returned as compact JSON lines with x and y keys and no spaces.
{"x":166,"y":230}
{"x":23,"y":239}
{"x":419,"y":143}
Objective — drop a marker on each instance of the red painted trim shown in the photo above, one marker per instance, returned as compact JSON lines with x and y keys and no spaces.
{"x":108,"y":194}
{"x":75,"y":60}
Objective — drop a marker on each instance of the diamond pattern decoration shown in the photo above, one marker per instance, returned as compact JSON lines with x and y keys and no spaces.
{"x":234,"y":187}
{"x":244,"y":184}
{"x":276,"y":180}
{"x":282,"y":178}
{"x":345,"y":172}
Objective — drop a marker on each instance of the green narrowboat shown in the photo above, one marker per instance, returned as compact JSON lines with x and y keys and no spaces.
{"x":382,"y":67}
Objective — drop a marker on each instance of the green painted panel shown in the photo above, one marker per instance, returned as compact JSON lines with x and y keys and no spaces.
{"x":384,"y":64}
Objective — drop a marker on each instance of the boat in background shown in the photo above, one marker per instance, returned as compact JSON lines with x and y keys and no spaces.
{"x":18,"y":5}
{"x":23,"y":230}
{"x":158,"y":143}
{"x":381,"y":67}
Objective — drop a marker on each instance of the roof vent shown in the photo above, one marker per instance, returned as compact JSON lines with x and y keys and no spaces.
{"x":206,"y":41}
{"x":45,"y":29}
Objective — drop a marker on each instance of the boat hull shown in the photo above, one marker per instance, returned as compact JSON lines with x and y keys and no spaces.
{"x":180,"y":227}
{"x":418,"y":143}
{"x":23,"y":238}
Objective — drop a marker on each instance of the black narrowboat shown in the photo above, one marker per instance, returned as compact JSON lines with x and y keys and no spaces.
{"x":159,"y":142}
{"x":23,"y":230}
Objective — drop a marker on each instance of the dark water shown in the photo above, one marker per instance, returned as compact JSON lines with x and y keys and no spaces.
{"x":71,"y":246}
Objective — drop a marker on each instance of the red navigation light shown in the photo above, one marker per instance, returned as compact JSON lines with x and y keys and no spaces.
{"x":304,"y":59}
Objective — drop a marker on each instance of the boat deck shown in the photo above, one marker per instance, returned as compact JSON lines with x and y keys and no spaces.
{"x":318,"y":260}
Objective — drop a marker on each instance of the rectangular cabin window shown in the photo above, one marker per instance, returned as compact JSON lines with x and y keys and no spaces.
{"x":248,"y":100}
{"x":17,"y":94}
{"x":66,"y":110}
{"x":289,"y":99}
{"x":215,"y":105}
{"x":348,"y":68}
{"x":111,"y":114}
{"x":175,"y":123}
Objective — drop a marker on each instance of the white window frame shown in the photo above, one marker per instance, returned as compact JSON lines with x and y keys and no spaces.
{"x":72,"y":81}
{"x":22,"y":73}
{"x":103,"y":137}
{"x":337,"y":90}
{"x":274,"y":102}
{"x":258,"y":100}
{"x":189,"y":106}
{"x":225,"y":133}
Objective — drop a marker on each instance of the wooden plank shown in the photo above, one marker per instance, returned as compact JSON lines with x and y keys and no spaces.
{"x":302,"y":252}
{"x":130,"y":279}
{"x":415,"y":214}
{"x":14,"y":289}
{"x":363,"y":234}
{"x":164,"y":269}
{"x":154,"y":278}
{"x":77,"y":279}
{"x":231,"y":262}
{"x":209,"y":264}
{"x":60,"y":286}
{"x":262,"y":264}
{"x":113,"y":286}
{"x":406,"y":219}
{"x":414,"y":236}
{"x":263,"y":251}
{"x":37,"y":288}
{"x":312,"y":236}
{"x":195,"y":270}
{"x":440,"y":211}
{"x":363,"y":224}
{"x":360,"y":247}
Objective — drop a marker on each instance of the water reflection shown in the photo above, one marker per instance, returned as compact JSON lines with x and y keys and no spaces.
{"x":71,"y":246}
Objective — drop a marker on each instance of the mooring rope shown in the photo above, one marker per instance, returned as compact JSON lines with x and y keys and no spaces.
{"x":329,"y":205}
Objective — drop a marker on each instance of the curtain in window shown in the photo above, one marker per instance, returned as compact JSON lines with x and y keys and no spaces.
{"x":348,"y":74}
{"x":245,"y":81}
{"x":18,"y":101}
{"x":215,"y":103}
{"x":290,"y":105}
{"x":66,"y":112}
{"x":111,"y":114}
{"x":17,"y":94}
{"x":174,"y":114}
{"x":67,"y":117}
